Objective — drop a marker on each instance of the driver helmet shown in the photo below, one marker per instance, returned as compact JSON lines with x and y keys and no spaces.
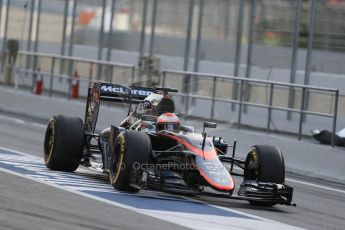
{"x":169,"y":122}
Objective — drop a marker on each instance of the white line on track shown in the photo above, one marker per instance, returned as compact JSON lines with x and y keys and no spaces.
{"x":37,"y":125}
{"x":20,"y":121}
{"x":315,"y":185}
{"x":310,"y":184}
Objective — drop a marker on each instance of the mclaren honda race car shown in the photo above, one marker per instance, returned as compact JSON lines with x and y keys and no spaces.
{"x":151,"y":149}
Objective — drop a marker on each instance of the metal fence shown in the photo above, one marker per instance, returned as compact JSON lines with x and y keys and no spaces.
{"x":212,"y":95}
{"x":268,"y":95}
{"x":250,"y":37}
{"x":85,"y":70}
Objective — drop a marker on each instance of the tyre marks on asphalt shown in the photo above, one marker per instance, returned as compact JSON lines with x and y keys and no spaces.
{"x":185,"y":212}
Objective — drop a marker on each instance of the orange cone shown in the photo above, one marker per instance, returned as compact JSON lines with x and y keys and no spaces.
{"x":75,"y":85}
{"x":38,"y":82}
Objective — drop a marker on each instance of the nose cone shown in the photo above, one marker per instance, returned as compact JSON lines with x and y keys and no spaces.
{"x":215,"y":174}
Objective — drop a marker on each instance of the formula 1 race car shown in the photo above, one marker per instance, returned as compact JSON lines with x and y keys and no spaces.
{"x":151,"y":149}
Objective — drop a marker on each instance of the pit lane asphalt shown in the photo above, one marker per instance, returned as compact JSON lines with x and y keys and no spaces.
{"x":26,"y":204}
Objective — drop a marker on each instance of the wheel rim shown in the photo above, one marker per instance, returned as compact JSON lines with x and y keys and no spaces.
{"x":49,"y":141}
{"x":117,"y":161}
{"x":252,"y":166}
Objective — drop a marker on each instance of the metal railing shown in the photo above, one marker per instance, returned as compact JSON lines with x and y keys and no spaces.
{"x":54,"y":66}
{"x":51,"y":71}
{"x":244,"y":85}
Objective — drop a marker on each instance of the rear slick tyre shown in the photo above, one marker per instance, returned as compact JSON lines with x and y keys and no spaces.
{"x":63,"y":143}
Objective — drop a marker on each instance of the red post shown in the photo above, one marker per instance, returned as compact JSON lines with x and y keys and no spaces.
{"x":75,"y":85}
{"x":38,"y":82}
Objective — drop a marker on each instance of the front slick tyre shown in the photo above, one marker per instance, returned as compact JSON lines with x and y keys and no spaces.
{"x":63,"y":143}
{"x":132,"y":149}
{"x":265,"y":163}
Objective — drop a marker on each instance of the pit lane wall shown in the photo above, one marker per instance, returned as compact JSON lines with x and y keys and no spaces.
{"x":304,"y":157}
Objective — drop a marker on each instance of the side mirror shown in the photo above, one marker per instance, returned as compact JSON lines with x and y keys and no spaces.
{"x":209,"y":125}
{"x":166,"y":91}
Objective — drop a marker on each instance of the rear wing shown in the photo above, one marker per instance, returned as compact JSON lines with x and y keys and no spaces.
{"x":102,"y":91}
{"x":119,"y":93}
